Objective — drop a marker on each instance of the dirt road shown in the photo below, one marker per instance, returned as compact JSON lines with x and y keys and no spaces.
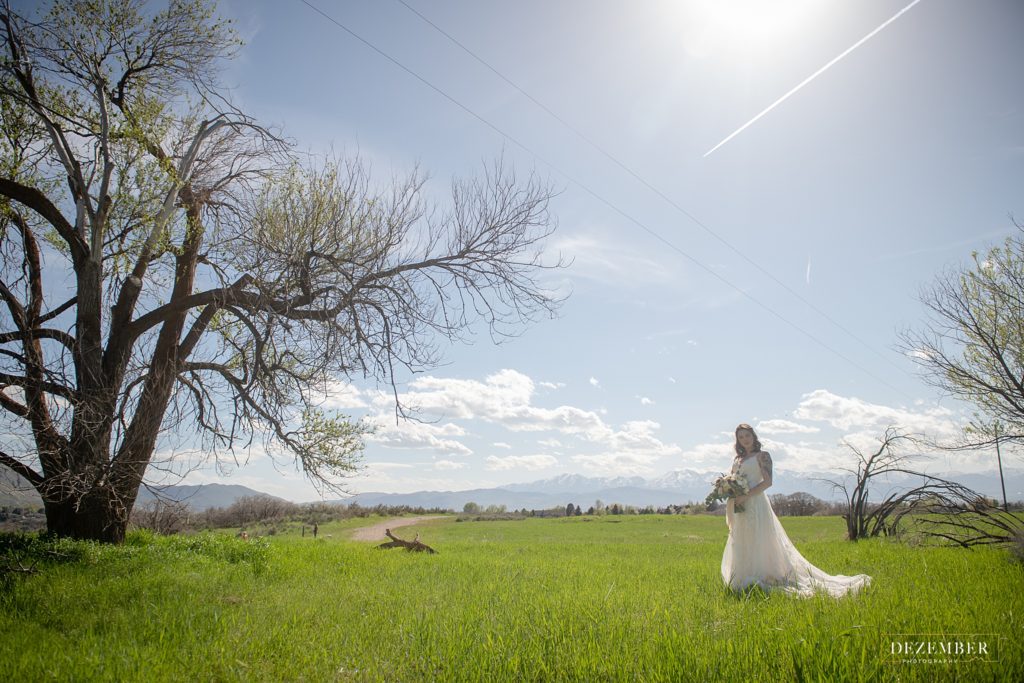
{"x":376,"y":532}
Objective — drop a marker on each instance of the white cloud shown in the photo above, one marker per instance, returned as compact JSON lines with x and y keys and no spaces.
{"x":521,"y":462}
{"x":594,"y":382}
{"x":343,"y":396}
{"x":467,"y":398}
{"x":709,"y":456}
{"x":784,"y":427}
{"x":806,"y":456}
{"x":503,"y":398}
{"x":630,"y":451}
{"x":565,"y":419}
{"x":644,"y":401}
{"x":552,"y":385}
{"x":849,"y":413}
{"x":672,"y":380}
{"x":418,"y":435}
{"x":448,"y":465}
{"x":501,"y":444}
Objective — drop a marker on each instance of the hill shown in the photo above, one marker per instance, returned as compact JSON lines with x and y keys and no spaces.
{"x":16,"y":492}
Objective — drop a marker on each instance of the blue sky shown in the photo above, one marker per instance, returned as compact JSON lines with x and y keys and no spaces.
{"x":894,"y":164}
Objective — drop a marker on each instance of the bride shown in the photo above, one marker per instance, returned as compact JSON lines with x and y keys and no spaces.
{"x":758,"y":551}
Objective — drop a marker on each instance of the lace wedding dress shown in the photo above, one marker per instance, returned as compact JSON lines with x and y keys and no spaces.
{"x":759,"y":552}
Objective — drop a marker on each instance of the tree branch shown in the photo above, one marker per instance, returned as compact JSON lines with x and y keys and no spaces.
{"x":29,"y":384}
{"x":21,"y":468}
{"x":35,"y":200}
{"x":13,"y":406}
{"x":46,"y":317}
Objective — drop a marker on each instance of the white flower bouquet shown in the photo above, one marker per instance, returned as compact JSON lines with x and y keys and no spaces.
{"x":728,"y":486}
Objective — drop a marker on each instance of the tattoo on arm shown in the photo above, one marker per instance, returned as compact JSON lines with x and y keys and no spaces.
{"x":765,"y":461}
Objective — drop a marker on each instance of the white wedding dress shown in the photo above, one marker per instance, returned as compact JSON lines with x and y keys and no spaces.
{"x":760,"y":553}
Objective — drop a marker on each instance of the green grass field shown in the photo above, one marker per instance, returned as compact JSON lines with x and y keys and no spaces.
{"x":576,"y":599}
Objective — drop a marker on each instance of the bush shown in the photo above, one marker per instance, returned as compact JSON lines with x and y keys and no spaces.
{"x":37,"y":550}
{"x":30,"y":549}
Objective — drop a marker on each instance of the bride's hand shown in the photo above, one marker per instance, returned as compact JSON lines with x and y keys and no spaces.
{"x":739,"y":500}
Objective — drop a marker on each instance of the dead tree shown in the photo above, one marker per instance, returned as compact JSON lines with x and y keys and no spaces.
{"x":413,"y":546}
{"x":936,"y":508}
{"x":162,"y":516}
{"x":865,"y":519}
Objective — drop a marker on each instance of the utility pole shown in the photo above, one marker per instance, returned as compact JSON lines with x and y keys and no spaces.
{"x":999,"y":458}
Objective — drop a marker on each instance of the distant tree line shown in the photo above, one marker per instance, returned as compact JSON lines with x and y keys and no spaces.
{"x":793,"y":504}
{"x":170,"y":516}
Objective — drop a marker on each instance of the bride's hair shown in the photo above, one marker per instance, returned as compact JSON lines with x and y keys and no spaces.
{"x":757,"y":443}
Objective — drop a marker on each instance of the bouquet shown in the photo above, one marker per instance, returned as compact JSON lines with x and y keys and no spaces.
{"x":728,"y":486}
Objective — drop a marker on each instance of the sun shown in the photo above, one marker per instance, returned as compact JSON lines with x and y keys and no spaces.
{"x":730,"y":26}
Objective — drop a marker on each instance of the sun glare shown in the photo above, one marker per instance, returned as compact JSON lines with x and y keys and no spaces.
{"x":713,"y":26}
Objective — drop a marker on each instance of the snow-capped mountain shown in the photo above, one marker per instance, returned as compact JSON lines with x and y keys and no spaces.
{"x":682,"y":479}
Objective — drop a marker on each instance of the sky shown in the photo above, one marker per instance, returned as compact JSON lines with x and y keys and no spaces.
{"x":764,"y":282}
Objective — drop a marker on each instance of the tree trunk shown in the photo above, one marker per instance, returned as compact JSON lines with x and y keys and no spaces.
{"x":98,"y":516}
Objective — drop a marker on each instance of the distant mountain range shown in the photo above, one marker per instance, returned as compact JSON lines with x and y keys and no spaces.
{"x":672,"y":488}
{"x":203,"y":496}
{"x":16,"y":492}
{"x":676,"y":487}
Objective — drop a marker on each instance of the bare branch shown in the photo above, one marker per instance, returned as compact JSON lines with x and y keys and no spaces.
{"x":22,"y":469}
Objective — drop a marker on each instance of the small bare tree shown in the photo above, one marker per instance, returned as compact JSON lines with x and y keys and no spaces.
{"x":865,"y":519}
{"x":162,"y":516}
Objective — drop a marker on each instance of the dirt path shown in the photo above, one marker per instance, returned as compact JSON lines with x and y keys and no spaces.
{"x":376,"y":532}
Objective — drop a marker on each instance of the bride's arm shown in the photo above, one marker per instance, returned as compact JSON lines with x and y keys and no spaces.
{"x":764,"y":460}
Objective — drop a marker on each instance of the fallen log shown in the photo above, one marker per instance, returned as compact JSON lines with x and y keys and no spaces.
{"x":413,"y":546}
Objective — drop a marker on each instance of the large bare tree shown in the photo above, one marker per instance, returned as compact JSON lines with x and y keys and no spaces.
{"x":168,"y":264}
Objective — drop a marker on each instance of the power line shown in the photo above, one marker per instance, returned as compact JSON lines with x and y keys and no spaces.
{"x":643,"y":181}
{"x":600,"y":198}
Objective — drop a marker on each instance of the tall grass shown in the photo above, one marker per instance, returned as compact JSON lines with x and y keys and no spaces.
{"x":606,"y":598}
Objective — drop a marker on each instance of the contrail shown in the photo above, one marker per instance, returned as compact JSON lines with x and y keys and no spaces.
{"x":813,"y":76}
